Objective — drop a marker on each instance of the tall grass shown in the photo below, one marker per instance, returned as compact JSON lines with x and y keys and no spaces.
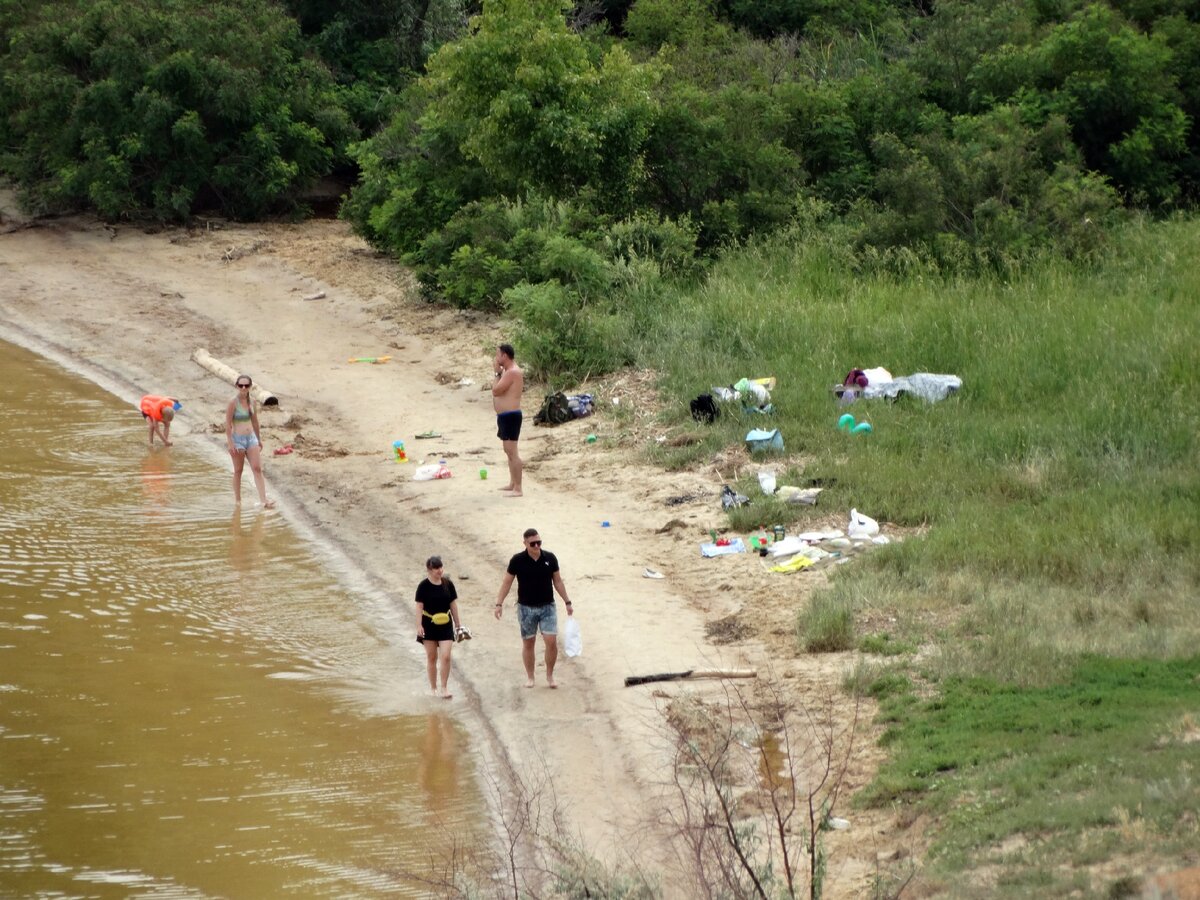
{"x":1068,"y":463}
{"x":1060,"y":497}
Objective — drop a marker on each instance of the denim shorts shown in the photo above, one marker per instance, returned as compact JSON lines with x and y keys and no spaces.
{"x":244,"y":442}
{"x":533,"y":617}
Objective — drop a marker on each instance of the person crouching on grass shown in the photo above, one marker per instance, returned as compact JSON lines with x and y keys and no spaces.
{"x":437,"y":624}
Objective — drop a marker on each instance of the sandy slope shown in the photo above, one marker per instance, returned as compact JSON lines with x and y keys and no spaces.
{"x":127,"y":308}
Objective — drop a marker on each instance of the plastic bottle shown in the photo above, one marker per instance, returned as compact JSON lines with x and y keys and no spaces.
{"x":398,"y":449}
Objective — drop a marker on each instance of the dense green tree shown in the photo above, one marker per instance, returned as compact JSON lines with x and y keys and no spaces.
{"x":163,"y":108}
{"x":375,"y":47}
{"x":519,"y":105}
{"x":533,"y":109}
{"x":951,"y":42}
{"x":1115,"y":85}
{"x":1180,"y":34}
{"x":769,"y":18}
{"x":976,"y":134}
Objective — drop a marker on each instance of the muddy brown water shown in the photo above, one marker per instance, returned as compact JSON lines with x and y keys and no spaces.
{"x":191,"y":703}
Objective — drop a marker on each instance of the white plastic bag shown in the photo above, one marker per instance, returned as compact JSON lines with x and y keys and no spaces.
{"x":572,"y":639}
{"x":861,"y":526}
{"x":431,"y":472}
{"x":877,"y":376}
{"x":766,"y":481}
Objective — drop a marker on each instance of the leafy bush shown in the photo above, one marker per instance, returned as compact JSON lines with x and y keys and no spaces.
{"x":374,"y":47}
{"x":411,"y":180}
{"x":561,"y":334}
{"x":164,"y":108}
{"x":525,"y":100}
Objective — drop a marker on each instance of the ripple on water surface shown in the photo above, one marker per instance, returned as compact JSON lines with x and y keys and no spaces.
{"x":190,"y":706}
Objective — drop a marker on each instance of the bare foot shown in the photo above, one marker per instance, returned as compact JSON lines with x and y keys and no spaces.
{"x":446,"y":695}
{"x":529,"y":683}
{"x":550,"y":682}
{"x":270,"y":504}
{"x":515,"y":493}
{"x":508,"y":487}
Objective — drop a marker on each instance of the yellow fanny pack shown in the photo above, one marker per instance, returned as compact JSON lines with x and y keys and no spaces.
{"x":437,"y":618}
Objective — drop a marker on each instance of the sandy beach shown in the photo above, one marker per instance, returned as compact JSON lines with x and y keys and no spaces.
{"x":127,"y":307}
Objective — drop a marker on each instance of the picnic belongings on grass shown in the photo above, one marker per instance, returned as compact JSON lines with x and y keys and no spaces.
{"x":754,"y":393}
{"x":857,"y":381}
{"x":846,"y":423}
{"x":872,"y":384}
{"x":558,"y":408}
{"x":730,"y":498}
{"x":705,"y":409}
{"x":929,"y":387}
{"x":761,"y":440}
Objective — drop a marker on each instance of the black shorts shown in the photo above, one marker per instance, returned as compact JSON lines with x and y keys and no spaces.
{"x":438,"y":632}
{"x":508,"y":425}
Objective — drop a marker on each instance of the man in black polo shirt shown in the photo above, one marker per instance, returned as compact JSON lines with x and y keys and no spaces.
{"x":536,"y":572}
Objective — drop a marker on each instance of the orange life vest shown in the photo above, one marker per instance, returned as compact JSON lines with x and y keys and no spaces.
{"x":153,"y":406}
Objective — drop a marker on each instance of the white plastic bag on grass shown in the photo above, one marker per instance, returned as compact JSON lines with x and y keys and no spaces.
{"x":861,"y":526}
{"x":572,"y":639}
{"x":766,"y":481}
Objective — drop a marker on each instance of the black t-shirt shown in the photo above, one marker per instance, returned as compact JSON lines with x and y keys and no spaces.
{"x":535,"y":578}
{"x":436,"y":597}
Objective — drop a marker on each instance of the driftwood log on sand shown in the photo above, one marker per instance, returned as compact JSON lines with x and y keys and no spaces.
{"x":690,"y":674}
{"x":258,"y":393}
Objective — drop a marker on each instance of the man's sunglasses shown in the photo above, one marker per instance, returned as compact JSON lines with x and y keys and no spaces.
{"x":535,"y":543}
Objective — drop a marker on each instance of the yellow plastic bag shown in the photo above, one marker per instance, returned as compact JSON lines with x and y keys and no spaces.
{"x":795,"y":564}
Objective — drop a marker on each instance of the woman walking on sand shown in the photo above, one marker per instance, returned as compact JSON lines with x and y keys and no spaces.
{"x":437,"y":623}
{"x":241,"y":434}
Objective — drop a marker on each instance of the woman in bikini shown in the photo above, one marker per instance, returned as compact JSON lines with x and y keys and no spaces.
{"x":437,"y":624}
{"x":241,"y":434}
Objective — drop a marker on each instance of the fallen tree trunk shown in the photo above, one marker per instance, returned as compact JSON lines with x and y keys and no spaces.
{"x":203,"y":358}
{"x":690,"y":674}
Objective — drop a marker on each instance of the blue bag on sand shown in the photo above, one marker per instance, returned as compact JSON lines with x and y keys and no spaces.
{"x":760,"y":440}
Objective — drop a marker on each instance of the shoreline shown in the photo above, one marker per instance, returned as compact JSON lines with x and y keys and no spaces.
{"x":131,"y":307}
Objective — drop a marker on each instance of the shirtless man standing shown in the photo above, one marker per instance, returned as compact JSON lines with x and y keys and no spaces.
{"x":506,"y":399}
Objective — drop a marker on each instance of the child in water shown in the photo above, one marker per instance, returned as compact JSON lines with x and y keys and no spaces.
{"x":159,"y":412}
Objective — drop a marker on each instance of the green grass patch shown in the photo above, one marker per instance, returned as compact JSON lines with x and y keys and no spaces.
{"x":1052,"y":586}
{"x":869,"y":679}
{"x":883,"y":644}
{"x":826,"y":626}
{"x":1109,"y":751}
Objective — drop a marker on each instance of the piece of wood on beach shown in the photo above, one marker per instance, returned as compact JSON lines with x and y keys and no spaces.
{"x":690,"y":675}
{"x":206,"y":360}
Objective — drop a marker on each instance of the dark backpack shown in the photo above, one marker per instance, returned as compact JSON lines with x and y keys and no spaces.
{"x":556,"y":409}
{"x":704,"y":409}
